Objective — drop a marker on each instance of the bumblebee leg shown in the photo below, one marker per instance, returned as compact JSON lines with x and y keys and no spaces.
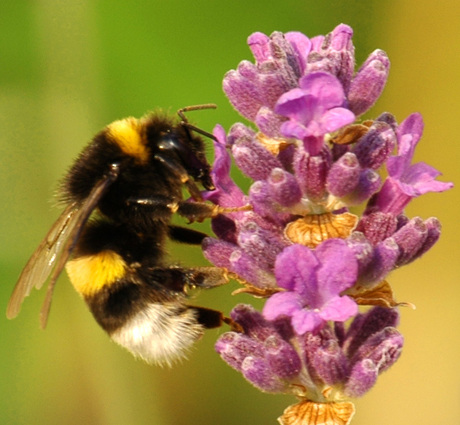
{"x":161,"y":206}
{"x":197,"y":211}
{"x":206,"y":277}
{"x":158,"y":206}
{"x":210,"y":318}
{"x":184,"y":235}
{"x":181,"y":279}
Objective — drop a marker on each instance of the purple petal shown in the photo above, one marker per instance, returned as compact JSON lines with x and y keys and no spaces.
{"x":325,"y":87}
{"x":339,"y":267}
{"x":413,"y":125}
{"x":409,"y":133}
{"x":282,"y":304}
{"x":227,"y":193}
{"x":336,"y":118}
{"x":295,"y":270}
{"x":305,"y":321}
{"x":260,"y":47}
{"x":422,"y":178}
{"x":295,"y":105}
{"x":294,"y":129}
{"x":339,"y":309}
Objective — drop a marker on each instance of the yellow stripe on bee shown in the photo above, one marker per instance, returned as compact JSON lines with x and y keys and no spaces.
{"x":127,"y":134}
{"x":91,"y":273}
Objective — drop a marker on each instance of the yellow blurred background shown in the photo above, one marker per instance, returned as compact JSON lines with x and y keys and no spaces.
{"x":67,"y":68}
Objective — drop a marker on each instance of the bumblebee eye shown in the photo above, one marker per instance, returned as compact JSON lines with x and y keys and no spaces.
{"x":168,"y":143}
{"x":175,"y":148}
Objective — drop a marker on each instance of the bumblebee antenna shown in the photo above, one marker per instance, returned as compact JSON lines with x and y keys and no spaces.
{"x":184,"y":121}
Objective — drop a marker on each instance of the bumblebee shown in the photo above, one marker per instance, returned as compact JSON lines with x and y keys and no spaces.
{"x":120,"y":196}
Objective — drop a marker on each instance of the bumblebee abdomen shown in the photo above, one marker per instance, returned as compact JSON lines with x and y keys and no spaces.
{"x":151,"y":323}
{"x":89,"y":274}
{"x":159,"y":333}
{"x":154,"y":325}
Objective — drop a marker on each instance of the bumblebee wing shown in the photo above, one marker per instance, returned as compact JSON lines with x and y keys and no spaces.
{"x":81,"y":217}
{"x":42,"y":261}
{"x":55,"y":249}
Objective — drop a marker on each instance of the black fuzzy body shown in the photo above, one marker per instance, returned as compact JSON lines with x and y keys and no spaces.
{"x":133,"y":221}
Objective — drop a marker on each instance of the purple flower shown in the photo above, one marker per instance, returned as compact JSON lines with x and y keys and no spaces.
{"x":314,"y":109}
{"x":313,"y":282}
{"x":226,"y":193}
{"x":407,"y":181}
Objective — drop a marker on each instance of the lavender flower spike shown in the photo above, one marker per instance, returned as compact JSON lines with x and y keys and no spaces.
{"x":296,"y":243}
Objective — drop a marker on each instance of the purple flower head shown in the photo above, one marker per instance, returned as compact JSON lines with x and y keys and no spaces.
{"x":313,"y":282}
{"x":283,"y":61}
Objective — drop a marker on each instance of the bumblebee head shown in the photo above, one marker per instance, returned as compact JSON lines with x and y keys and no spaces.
{"x":183,"y":150}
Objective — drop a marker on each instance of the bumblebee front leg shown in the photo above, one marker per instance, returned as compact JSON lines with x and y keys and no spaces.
{"x":198,"y":211}
{"x":161,"y":206}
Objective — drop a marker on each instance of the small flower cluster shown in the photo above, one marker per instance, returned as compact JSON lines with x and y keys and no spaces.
{"x":330,"y":364}
{"x":312,"y":161}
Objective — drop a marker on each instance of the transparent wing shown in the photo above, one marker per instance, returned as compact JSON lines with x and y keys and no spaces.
{"x":50,"y":257}
{"x":42,"y":261}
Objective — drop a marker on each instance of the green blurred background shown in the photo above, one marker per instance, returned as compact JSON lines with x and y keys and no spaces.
{"x":67,"y":68}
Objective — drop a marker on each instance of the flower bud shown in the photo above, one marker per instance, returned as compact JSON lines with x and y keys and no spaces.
{"x":253,"y":159}
{"x":374,"y":148}
{"x":284,"y":187}
{"x":344,"y":175}
{"x":311,"y":172}
{"x":369,"y":82}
